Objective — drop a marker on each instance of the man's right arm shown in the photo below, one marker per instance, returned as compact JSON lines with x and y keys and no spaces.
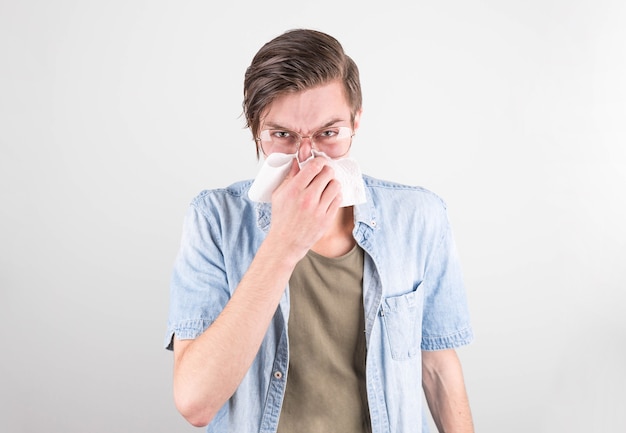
{"x":208,"y":370}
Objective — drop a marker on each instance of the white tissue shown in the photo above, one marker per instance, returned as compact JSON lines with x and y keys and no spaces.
{"x":277,"y":165}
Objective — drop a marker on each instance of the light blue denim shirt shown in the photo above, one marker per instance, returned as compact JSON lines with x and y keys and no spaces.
{"x":413,"y":296}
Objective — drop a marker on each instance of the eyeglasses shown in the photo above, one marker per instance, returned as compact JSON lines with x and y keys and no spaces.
{"x":334,"y":141}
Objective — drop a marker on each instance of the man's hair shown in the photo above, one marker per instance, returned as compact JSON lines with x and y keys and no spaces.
{"x":297,"y":60}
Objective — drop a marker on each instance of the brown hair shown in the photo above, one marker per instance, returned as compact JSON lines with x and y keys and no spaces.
{"x":294,"y":61}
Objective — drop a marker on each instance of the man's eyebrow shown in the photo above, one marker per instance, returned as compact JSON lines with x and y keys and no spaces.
{"x":273,"y":125}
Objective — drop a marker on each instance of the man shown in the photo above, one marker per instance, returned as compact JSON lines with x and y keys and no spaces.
{"x":325,"y":309}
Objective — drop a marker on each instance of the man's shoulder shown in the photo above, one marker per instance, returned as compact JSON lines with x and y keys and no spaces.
{"x":232,"y":199}
{"x":237,"y":190}
{"x":386,"y":190}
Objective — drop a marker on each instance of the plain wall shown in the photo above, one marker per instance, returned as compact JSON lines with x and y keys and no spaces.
{"x":114,"y":114}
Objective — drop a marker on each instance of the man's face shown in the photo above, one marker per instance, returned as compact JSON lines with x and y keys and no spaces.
{"x":306,"y":113}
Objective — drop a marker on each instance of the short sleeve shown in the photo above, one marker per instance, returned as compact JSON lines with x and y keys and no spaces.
{"x":446,"y":319}
{"x":198,"y":286}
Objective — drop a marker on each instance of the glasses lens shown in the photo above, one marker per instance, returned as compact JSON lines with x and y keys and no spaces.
{"x":334,"y":142}
{"x":278,"y":141}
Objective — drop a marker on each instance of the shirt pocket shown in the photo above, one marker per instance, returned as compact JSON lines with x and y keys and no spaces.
{"x":403,"y":325}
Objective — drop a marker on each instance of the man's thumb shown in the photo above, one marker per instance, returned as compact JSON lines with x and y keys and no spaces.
{"x":295,"y":168}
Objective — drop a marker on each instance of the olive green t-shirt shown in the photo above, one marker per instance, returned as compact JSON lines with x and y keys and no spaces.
{"x":326,"y":377}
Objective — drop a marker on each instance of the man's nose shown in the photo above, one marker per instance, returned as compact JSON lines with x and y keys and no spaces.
{"x":305,"y":149}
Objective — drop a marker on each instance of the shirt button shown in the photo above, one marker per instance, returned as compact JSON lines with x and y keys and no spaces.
{"x":278,"y":375}
{"x":373,"y":223}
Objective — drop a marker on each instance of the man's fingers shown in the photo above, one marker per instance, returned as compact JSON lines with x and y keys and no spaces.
{"x":310,"y":171}
{"x":314,"y":184}
{"x":331,"y":196}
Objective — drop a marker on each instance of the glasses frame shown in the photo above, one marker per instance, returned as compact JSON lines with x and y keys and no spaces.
{"x":302,"y":137}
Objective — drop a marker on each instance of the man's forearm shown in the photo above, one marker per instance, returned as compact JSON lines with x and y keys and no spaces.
{"x":444,"y":387}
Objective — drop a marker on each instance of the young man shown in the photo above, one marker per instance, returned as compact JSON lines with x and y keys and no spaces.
{"x":330,"y":307}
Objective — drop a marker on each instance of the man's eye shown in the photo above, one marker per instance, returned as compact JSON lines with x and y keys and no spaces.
{"x":281,"y":135}
{"x":327,"y":133}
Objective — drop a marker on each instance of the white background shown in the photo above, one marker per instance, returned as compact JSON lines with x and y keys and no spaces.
{"x":114,"y":114}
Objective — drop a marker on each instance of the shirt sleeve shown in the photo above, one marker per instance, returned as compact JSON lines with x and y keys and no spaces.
{"x":446,"y":319}
{"x":198,"y":287}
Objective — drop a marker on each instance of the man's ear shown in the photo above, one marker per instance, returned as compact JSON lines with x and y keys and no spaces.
{"x":357,"y":119}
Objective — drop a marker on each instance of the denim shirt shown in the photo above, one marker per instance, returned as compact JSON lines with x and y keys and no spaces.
{"x":413,"y":296}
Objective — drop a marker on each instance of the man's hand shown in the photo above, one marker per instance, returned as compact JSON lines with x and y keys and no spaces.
{"x":304,"y":206}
